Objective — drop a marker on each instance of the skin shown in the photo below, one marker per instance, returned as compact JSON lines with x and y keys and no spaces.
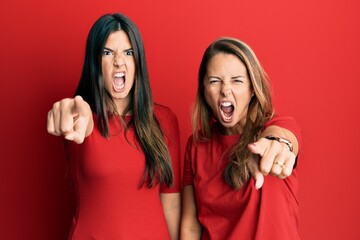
{"x":171,"y":203}
{"x":72,"y":117}
{"x":118,"y":69}
{"x":227,"y":81}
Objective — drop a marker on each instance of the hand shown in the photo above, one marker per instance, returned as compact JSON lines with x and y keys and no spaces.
{"x":72,"y":118}
{"x":253,"y":166}
{"x":274,"y":158}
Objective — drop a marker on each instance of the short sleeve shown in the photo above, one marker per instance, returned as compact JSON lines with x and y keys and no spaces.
{"x":188,"y":172}
{"x":170,"y":127}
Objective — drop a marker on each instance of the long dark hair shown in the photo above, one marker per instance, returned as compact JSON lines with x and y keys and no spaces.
{"x":91,"y":88}
{"x":259,"y":112}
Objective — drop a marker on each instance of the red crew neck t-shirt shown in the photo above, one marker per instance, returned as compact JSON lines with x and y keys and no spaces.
{"x":270,"y":213}
{"x":107,"y":175}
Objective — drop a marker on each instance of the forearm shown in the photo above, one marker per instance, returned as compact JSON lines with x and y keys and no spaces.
{"x":190,"y":227}
{"x":190,"y":232}
{"x":172,"y":209}
{"x":283,"y":133}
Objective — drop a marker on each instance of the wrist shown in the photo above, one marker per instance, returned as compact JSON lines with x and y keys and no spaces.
{"x":280,"y":140}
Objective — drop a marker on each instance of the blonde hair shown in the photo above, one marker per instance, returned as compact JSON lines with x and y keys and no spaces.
{"x":259,"y":112}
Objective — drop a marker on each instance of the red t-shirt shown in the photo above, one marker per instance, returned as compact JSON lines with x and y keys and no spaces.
{"x":107,"y":174}
{"x":270,"y":213}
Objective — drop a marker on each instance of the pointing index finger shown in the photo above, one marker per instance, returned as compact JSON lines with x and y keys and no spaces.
{"x":261,"y":147}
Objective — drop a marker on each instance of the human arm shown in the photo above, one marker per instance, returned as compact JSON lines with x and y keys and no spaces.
{"x":170,"y":195}
{"x":275,"y":158}
{"x":72,"y":118}
{"x":171,"y":203}
{"x":190,"y":228}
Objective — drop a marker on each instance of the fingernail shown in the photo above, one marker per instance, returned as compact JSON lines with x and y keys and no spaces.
{"x":70,"y":138}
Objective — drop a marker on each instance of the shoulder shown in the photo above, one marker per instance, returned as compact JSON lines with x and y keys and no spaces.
{"x":164,"y":114}
{"x":198,"y":140}
{"x":282,"y":121}
{"x":167,"y":120}
{"x":200,"y":137}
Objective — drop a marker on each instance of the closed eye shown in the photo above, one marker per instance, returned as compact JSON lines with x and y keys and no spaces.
{"x":238,"y":80}
{"x":213,"y":80}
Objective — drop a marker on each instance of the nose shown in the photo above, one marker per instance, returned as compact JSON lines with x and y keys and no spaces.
{"x":119,"y":60}
{"x":225,"y":90}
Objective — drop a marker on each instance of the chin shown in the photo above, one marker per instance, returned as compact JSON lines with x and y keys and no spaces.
{"x":232,"y":127}
{"x":227,"y":124}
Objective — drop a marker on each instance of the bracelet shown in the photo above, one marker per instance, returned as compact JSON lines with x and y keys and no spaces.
{"x":281,"y":140}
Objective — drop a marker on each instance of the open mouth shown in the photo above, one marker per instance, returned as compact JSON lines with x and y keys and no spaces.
{"x":226,"y":111}
{"x":119,"y":82}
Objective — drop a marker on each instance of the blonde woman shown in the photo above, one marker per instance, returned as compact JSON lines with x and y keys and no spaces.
{"x":235,"y":126}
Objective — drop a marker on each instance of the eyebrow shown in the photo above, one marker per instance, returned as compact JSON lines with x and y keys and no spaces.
{"x":239,"y":76}
{"x":109,"y":49}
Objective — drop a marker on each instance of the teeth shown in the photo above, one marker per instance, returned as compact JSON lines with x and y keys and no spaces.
{"x":121,"y":74}
{"x":225,"y":117}
{"x":226,"y":104}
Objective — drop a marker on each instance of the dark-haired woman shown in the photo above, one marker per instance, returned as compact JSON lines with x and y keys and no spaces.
{"x":123,"y":149}
{"x":234,"y":124}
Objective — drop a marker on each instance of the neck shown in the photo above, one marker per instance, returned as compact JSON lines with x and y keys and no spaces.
{"x":235,"y":130}
{"x":122,"y":107}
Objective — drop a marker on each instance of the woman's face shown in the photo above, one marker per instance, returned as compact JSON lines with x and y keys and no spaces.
{"x":118,"y":68}
{"x":228,"y":91}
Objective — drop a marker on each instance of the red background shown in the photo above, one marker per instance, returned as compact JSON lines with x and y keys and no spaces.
{"x":310,"y":50}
